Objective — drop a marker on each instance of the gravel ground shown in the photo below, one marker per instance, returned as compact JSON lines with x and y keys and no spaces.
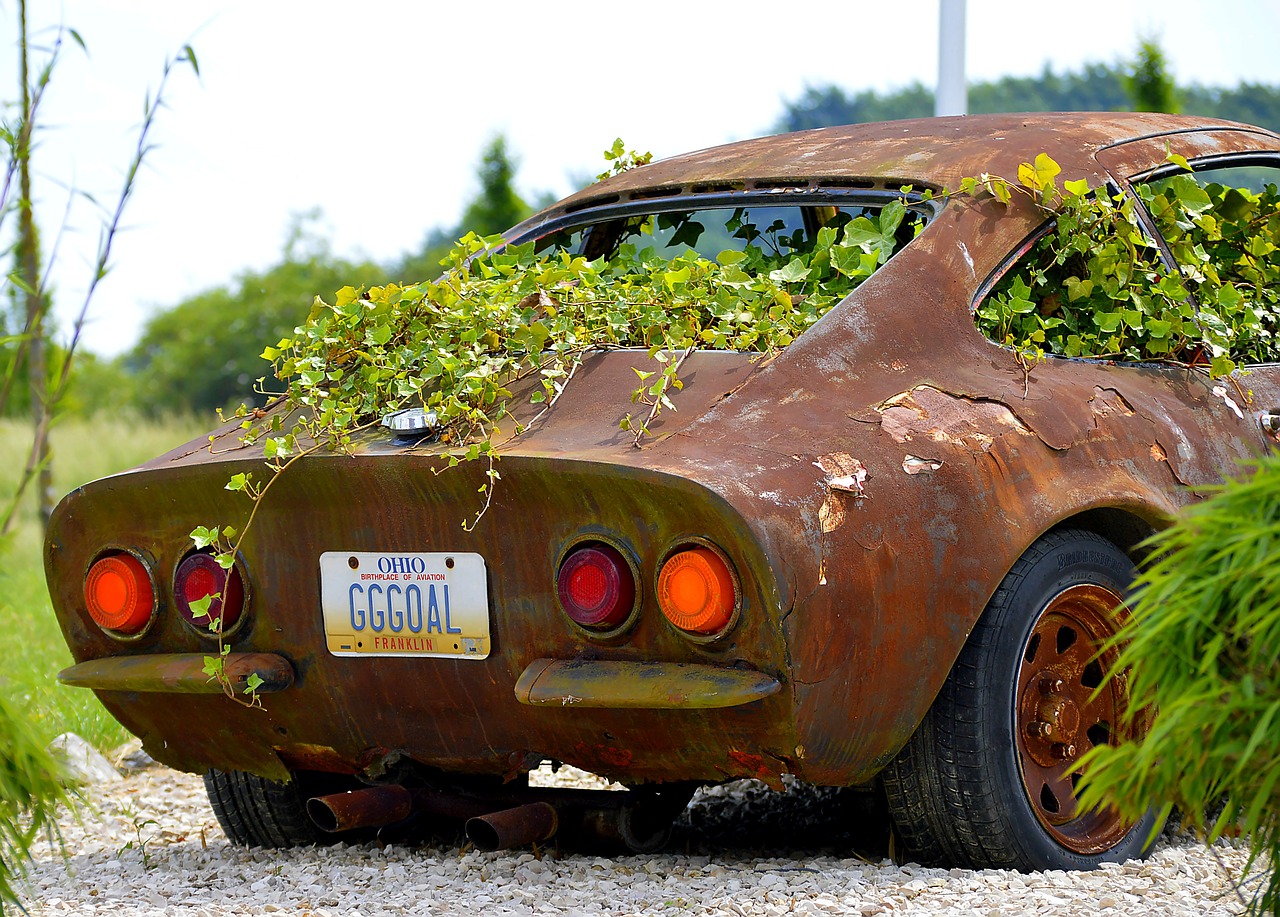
{"x":149,"y":845}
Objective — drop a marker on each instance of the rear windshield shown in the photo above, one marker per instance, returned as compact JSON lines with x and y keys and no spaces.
{"x":776,"y":231}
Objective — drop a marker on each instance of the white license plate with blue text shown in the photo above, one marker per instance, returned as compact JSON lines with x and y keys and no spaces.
{"x":399,"y":604}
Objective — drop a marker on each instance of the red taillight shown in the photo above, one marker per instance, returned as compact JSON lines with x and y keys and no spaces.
{"x":200,"y":576}
{"x":696,"y":591}
{"x":596,"y":587}
{"x":119,"y":594}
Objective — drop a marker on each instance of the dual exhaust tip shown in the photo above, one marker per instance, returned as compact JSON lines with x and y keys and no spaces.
{"x":600,"y":815}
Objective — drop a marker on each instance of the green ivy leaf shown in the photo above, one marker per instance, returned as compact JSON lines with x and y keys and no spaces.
{"x":1108,"y":322}
{"x":203,"y":536}
{"x":1178,"y":160}
{"x":1040,"y":175}
{"x":793,"y":272}
{"x":1078,"y":187}
{"x":200,"y":607}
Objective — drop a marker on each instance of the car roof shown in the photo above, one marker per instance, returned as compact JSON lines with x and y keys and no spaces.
{"x":927,"y":152}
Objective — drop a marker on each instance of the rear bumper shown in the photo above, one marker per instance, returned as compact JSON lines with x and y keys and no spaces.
{"x":544,"y":682}
{"x":180,"y":673}
{"x":640,"y":685}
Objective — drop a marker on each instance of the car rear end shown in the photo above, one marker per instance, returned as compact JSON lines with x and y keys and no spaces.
{"x":616,"y":618}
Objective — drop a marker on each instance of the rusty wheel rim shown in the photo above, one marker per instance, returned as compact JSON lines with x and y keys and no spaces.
{"x":1059,"y":718}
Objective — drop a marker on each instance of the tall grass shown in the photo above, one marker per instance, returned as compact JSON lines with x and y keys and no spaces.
{"x":32,"y":651}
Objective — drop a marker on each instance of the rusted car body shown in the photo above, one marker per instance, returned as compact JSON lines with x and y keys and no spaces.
{"x":871,"y":486}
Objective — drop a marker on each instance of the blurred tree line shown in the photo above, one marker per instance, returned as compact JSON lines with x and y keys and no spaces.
{"x":1140,"y":85}
{"x":202,"y":353}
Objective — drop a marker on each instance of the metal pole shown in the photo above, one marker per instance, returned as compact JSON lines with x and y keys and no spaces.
{"x":952,"y":97}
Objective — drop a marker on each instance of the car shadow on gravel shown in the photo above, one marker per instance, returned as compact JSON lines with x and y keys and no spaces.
{"x":743,"y":817}
{"x":746,"y":816}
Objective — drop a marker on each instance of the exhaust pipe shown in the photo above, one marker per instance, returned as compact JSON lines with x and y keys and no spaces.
{"x":372,"y":807}
{"x":626,"y":828}
{"x":609,"y":818}
{"x":527,"y":824}
{"x":386,"y":805}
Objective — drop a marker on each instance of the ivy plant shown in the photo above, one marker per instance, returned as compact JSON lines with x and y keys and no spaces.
{"x":499,"y":315}
{"x":504,"y":318}
{"x":1095,"y":283}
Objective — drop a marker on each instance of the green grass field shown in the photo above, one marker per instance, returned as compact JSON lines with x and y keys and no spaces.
{"x":33,"y":649}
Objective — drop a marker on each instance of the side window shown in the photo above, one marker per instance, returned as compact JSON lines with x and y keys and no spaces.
{"x":1094,"y":284}
{"x":1083,"y":288}
{"x":1222,"y":226}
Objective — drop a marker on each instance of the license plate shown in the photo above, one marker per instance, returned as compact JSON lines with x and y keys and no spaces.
{"x":389,"y":604}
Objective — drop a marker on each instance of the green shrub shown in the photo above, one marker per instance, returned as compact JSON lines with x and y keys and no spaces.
{"x":29,"y":795}
{"x":1203,"y":649}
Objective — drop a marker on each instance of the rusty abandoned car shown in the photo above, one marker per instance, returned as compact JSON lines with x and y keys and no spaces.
{"x":888,"y":554}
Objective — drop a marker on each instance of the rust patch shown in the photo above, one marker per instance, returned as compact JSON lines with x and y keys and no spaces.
{"x":300,"y":756}
{"x":844,"y":472}
{"x":831,"y":514}
{"x":603,"y":757}
{"x":925,"y":412}
{"x":763,"y":768}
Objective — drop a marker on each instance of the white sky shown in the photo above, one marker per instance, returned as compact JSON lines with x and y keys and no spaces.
{"x":377,"y":111}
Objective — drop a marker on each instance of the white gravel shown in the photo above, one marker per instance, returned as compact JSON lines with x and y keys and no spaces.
{"x":149,"y":845}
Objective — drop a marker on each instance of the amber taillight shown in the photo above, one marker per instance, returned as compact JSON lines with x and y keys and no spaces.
{"x":200,"y":576}
{"x":119,"y":594}
{"x":596,"y":586}
{"x":696,"y":591}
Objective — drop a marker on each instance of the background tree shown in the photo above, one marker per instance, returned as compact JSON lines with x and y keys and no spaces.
{"x":828,"y":106}
{"x":1151,"y":87}
{"x":203,"y":353}
{"x":1095,"y":87}
{"x":495,"y":208}
{"x":27,"y":277}
{"x":30,"y":351}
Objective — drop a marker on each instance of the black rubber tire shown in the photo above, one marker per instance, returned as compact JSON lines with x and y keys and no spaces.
{"x":256,"y":812}
{"x":956,"y":792}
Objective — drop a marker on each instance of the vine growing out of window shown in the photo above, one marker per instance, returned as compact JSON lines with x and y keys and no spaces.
{"x":508,"y":317}
{"x":1095,"y":283}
